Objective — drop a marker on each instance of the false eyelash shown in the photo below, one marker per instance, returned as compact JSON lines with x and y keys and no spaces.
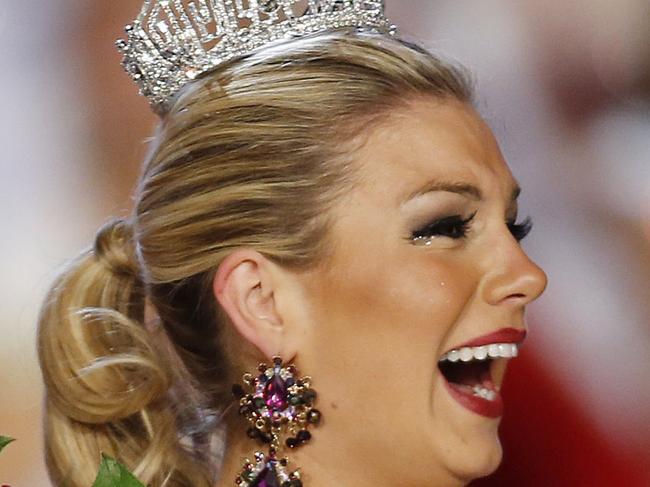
{"x":452,"y":226}
{"x":520,"y":230}
{"x":455,"y":227}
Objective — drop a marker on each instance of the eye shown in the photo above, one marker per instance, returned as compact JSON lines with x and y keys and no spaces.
{"x":452,"y":227}
{"x":520,"y":230}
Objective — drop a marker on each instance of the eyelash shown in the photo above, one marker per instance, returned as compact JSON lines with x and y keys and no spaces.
{"x":521,"y":230}
{"x":455,"y":227}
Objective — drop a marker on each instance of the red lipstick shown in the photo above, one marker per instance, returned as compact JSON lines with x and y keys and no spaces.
{"x":489,"y":408}
{"x":469,"y":380}
{"x":504,"y":335}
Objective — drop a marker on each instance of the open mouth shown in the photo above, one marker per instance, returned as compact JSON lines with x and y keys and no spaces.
{"x":474,"y":375}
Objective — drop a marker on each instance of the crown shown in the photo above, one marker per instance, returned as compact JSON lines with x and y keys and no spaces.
{"x":172,"y":42}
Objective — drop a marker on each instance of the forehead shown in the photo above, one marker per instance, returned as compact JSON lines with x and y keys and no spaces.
{"x":430,"y":139}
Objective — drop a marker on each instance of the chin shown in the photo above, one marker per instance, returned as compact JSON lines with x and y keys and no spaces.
{"x":481,"y":461}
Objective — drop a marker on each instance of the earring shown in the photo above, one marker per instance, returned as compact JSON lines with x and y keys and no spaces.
{"x":276,"y":404}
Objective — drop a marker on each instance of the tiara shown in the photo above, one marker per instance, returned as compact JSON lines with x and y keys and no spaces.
{"x":172,"y":42}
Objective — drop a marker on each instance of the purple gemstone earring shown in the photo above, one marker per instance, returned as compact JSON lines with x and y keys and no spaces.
{"x":276,"y":404}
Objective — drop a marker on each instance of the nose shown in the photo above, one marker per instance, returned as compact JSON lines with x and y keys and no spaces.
{"x":513,"y":277}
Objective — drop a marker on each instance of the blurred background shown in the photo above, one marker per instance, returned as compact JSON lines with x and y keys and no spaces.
{"x":565,"y":85}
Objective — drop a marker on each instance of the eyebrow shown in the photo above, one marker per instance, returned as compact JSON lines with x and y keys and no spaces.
{"x":459,"y":187}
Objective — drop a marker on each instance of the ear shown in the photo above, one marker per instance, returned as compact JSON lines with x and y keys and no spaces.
{"x":249,"y":288}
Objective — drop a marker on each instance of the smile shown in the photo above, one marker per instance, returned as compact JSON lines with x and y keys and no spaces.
{"x":473,"y":372}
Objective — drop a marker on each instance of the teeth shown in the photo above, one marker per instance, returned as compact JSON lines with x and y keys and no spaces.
{"x":484,"y":393}
{"x":466,"y":354}
{"x":453,"y":356}
{"x":494,"y":350}
{"x":480,"y":353}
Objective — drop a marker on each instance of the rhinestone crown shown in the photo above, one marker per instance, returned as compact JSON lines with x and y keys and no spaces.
{"x":174,"y":41}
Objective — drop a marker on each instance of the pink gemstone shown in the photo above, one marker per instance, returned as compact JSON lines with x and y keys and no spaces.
{"x":275,"y":394}
{"x":267,"y":477}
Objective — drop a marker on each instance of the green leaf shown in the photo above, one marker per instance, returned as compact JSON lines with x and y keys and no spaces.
{"x":113,"y":474}
{"x":4,"y":441}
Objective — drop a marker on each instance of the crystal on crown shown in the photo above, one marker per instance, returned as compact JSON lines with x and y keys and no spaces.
{"x":173,"y":41}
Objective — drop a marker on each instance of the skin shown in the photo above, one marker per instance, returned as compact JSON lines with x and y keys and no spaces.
{"x":371,"y":322}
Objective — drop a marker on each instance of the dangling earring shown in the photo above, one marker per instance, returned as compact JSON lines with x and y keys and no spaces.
{"x":276,"y":404}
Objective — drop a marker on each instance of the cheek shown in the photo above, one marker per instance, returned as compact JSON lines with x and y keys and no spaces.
{"x":410,"y":302}
{"x":376,"y":337}
{"x":416,"y":294}
{"x":433,"y":291}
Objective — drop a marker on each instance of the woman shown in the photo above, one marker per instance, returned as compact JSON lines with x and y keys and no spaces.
{"x":330,"y":201}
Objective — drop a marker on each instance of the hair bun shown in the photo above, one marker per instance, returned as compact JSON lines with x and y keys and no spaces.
{"x":115,"y":249}
{"x":119,"y":377}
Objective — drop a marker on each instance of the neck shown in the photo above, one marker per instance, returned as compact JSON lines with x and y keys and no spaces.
{"x":322,"y":463}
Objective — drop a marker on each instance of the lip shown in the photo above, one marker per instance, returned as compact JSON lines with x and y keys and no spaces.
{"x":490,"y":409}
{"x":504,"y":335}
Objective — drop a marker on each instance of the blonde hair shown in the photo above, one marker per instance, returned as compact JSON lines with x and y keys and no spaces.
{"x":251,"y":155}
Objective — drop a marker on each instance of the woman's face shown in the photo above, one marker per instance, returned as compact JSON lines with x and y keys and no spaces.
{"x":425,"y":260}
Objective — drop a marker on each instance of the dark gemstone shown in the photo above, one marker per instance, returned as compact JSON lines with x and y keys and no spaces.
{"x":238,"y":391}
{"x":258,"y":402}
{"x":338,"y":5}
{"x":245,"y":409}
{"x":290,"y":381}
{"x":169,"y":55}
{"x":262,"y":378}
{"x":309,"y":395}
{"x":295,"y":400}
{"x":268,"y":6}
{"x":265,"y":438}
{"x":275,"y":394}
{"x":291,"y":442}
{"x":267,"y":477}
{"x":303,"y":436}
{"x":314,"y":416}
